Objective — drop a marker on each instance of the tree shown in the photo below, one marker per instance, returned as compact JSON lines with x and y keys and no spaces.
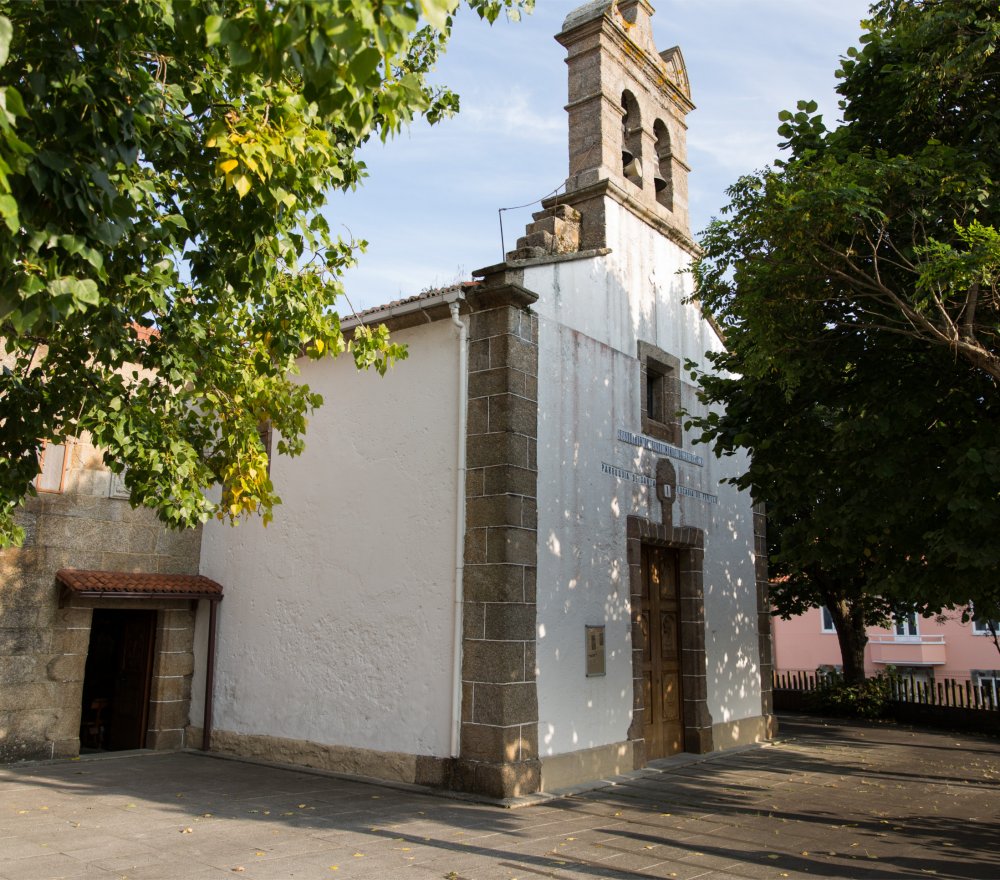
{"x":856,"y":284}
{"x":163,"y":258}
{"x":867,"y":467}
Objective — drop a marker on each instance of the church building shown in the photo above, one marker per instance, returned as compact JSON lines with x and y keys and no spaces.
{"x":505,"y":566}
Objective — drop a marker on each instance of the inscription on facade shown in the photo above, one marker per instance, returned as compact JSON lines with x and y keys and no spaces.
{"x":701,"y":496}
{"x":630,"y":476}
{"x":659,"y":447}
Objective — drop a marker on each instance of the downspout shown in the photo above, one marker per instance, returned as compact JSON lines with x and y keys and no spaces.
{"x":206,"y":735}
{"x":463,"y":394}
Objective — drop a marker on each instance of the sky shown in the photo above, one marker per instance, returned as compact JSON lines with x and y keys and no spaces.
{"x":429,"y":206}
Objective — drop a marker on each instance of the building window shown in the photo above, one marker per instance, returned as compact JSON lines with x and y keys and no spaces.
{"x":828,"y":626}
{"x":905,"y":626}
{"x":656,"y":384}
{"x":829,"y":672}
{"x":988,"y":680}
{"x":52,"y":461}
{"x":919,"y":675}
{"x":985,"y":627}
{"x":661,"y":394}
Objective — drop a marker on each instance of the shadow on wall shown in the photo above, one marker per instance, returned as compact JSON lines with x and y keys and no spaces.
{"x":592,"y":389}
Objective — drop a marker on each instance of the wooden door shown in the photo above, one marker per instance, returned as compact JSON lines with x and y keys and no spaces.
{"x":663,"y":722}
{"x":130,"y":710}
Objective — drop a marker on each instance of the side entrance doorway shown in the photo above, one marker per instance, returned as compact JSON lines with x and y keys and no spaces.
{"x":117,"y":680}
{"x":663,"y":721}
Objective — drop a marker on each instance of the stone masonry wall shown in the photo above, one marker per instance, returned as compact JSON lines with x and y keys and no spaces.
{"x":43,"y":646}
{"x":499,"y":734}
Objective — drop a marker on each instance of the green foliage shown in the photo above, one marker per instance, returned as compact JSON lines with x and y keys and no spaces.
{"x":857,"y":285}
{"x":870,"y":698}
{"x":164,"y":263}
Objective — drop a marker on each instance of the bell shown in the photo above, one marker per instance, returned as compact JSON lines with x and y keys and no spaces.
{"x":632,"y":168}
{"x":659,"y":184}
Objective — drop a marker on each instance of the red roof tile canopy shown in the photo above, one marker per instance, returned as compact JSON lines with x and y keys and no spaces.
{"x":136,"y":584}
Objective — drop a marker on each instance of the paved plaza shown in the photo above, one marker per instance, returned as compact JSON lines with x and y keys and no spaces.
{"x":826,"y":800}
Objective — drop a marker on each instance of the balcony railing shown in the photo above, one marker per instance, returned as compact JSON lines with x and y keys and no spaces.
{"x":895,"y":650}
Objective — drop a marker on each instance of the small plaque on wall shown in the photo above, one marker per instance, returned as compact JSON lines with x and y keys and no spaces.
{"x":595,"y":651}
{"x":117,"y":489}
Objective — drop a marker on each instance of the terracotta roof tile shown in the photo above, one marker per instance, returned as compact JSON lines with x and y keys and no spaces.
{"x":367,"y":314}
{"x":186,"y":585}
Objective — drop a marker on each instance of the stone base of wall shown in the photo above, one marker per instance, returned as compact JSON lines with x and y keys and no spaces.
{"x":603,"y":762}
{"x":500,"y":780}
{"x":587,"y":765}
{"x":390,"y":766}
{"x":745,"y":732}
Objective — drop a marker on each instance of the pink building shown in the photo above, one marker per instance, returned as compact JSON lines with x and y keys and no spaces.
{"x":929,"y":649}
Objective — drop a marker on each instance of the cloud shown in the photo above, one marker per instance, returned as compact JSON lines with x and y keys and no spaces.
{"x":513,"y":117}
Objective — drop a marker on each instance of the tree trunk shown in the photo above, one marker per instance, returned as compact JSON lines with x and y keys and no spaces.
{"x":994,"y":633}
{"x":853,"y":637}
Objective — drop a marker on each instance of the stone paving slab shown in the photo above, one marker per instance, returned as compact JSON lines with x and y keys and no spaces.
{"x":835,"y":800}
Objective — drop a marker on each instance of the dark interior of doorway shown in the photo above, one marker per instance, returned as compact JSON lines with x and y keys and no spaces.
{"x":117,"y":679}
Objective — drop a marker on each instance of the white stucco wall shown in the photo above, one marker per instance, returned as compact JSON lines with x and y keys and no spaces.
{"x":337,"y":622}
{"x":591,"y":315}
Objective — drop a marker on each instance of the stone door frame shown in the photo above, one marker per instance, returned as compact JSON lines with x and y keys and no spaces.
{"x":173,"y":661}
{"x":689,"y":543}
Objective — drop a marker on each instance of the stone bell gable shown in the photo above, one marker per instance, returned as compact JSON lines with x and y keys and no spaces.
{"x":627,"y":130}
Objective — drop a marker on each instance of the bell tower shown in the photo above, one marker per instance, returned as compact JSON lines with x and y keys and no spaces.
{"x":627,"y":131}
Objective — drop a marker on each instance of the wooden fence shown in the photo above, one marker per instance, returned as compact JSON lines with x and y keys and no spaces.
{"x":905,"y":689}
